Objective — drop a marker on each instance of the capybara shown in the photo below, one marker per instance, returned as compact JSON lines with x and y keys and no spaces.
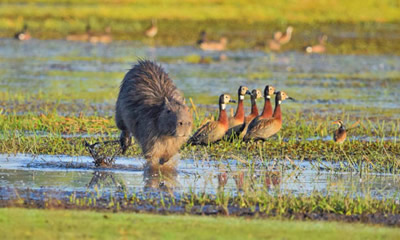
{"x":151,"y":109}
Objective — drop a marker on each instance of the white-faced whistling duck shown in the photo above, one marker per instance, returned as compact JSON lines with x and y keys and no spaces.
{"x":153,"y":30}
{"x":319,"y":48}
{"x":206,"y":45}
{"x":280,"y":39}
{"x":287,"y":36}
{"x":267,"y":110}
{"x":84,"y":37}
{"x":23,"y":35}
{"x":340,"y":134}
{"x":236,"y":122}
{"x":214,"y":130}
{"x":255,"y":94}
{"x":101,"y":38}
{"x":265,"y":128}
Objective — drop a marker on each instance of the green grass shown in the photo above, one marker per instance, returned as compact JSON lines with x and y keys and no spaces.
{"x":131,"y":10}
{"x":247,"y":24}
{"x":57,"y":224}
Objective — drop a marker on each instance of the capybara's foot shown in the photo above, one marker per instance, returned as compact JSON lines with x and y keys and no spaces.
{"x":125,"y":140}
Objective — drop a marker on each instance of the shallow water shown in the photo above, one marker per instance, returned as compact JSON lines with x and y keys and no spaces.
{"x":74,"y":72}
{"x":39,"y":76}
{"x":64,"y":175}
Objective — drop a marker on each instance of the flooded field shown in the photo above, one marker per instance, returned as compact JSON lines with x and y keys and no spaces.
{"x":44,"y":75}
{"x":55,"y":94}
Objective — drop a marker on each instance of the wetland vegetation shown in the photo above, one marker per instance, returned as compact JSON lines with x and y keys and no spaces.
{"x":55,"y":95}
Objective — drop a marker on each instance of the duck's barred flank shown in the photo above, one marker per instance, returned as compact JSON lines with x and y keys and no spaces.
{"x":151,"y":109}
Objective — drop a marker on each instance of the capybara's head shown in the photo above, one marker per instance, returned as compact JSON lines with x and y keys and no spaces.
{"x":175,"y":119}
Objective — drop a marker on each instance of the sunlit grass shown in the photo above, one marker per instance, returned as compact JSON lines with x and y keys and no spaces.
{"x":54,"y":224}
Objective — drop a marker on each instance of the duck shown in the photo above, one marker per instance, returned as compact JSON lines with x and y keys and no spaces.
{"x":286,"y":37}
{"x":319,"y":48}
{"x":84,"y":37}
{"x":267,"y":110}
{"x":101,"y":38}
{"x":213,"y":131}
{"x":206,"y":45}
{"x":24,"y":34}
{"x":339,"y":136}
{"x":262,"y":129}
{"x":255,"y":94}
{"x":153,"y":30}
{"x":280,"y":39}
{"x":236,"y":122}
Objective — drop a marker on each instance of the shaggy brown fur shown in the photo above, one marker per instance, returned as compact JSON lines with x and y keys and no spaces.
{"x":153,"y":110}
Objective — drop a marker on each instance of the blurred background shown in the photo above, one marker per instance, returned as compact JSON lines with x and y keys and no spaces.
{"x":333,"y":55}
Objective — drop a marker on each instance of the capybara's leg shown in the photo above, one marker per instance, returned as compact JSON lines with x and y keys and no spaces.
{"x":125,"y":140}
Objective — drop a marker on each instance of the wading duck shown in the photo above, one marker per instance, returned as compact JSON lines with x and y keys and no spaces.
{"x":153,"y":30}
{"x":206,"y":45}
{"x":319,"y":48}
{"x":23,"y":35}
{"x":101,"y":38}
{"x":84,"y":37}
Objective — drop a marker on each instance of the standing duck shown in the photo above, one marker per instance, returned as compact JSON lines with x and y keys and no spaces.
{"x":214,"y":130}
{"x":236,"y":122}
{"x":286,"y":37}
{"x":153,"y":30}
{"x":267,"y":111}
{"x":340,"y":134}
{"x":255,"y":94}
{"x":23,"y":35}
{"x":319,"y":48}
{"x":280,"y":39}
{"x":261,"y":129}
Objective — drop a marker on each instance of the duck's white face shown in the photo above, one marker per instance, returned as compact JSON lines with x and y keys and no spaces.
{"x":227,"y":98}
{"x":269,"y":91}
{"x":256,"y":93}
{"x":284,"y":96}
{"x":243,"y":90}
